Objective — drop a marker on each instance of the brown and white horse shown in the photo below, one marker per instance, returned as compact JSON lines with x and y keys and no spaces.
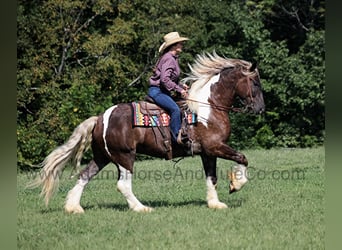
{"x":215,"y":83}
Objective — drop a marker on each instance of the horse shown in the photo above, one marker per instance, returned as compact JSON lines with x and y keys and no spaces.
{"x":215,"y":83}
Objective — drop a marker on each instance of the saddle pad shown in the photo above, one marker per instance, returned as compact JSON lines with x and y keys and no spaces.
{"x":149,"y":120}
{"x":156,"y":119}
{"x":191,"y":118}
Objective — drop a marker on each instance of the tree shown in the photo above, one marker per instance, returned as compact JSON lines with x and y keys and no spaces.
{"x":77,"y":58}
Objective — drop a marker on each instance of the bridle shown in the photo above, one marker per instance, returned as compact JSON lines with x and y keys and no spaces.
{"x":220,"y":107}
{"x":231,"y":108}
{"x":250,"y":105}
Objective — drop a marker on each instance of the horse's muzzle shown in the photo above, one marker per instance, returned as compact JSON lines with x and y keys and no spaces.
{"x":258,"y":105}
{"x":255,"y":109}
{"x":259,"y":111}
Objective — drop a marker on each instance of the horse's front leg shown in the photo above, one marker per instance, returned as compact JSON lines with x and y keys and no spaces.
{"x":222,"y":150}
{"x":238,"y":177}
{"x":209,"y":164}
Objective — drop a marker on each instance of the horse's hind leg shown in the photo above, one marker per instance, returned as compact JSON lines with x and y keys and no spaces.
{"x":124,"y":185}
{"x":72,"y":203}
{"x":209,"y":164}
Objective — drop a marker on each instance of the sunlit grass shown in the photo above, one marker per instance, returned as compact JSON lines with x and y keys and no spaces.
{"x":281,"y":207}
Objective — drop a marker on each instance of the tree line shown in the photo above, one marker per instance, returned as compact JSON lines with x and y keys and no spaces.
{"x":77,"y":58}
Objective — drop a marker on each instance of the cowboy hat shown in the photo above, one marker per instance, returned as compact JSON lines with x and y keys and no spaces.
{"x":171,"y":38}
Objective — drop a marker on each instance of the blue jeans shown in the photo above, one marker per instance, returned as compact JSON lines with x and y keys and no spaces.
{"x":165,"y":101}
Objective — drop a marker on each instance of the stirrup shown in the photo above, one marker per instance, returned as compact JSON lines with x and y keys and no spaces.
{"x":181,"y":140}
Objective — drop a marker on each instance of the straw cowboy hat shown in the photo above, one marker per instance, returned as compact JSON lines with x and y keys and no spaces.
{"x":171,"y":38}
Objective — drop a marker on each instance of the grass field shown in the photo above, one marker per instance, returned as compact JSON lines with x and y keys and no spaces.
{"x":281,"y":207}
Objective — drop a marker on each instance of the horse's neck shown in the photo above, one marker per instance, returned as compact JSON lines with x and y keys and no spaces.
{"x":222,"y":95}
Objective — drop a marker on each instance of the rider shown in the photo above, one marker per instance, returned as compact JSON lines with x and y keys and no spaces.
{"x":165,"y":79}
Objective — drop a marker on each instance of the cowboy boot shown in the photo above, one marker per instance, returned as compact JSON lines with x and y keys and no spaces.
{"x":182,"y":138}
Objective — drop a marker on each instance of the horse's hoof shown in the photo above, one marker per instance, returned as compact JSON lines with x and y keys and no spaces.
{"x":74,"y":209}
{"x":217,"y":205}
{"x":238,"y":178}
{"x":143,"y":209}
{"x":231,"y":188}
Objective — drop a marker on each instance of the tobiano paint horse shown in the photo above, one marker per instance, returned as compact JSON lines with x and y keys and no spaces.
{"x":215,"y":82}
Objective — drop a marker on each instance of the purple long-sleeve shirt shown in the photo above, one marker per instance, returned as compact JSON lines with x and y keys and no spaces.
{"x":167,"y":73}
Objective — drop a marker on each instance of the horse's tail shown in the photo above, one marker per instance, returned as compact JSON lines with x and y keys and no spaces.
{"x":71,"y":150}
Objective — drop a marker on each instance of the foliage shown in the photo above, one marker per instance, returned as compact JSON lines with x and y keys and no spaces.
{"x":77,"y":58}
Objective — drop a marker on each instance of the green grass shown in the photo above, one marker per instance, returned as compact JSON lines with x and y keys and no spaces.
{"x":281,"y":207}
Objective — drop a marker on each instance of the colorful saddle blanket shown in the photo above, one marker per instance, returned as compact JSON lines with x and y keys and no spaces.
{"x":147,"y":114}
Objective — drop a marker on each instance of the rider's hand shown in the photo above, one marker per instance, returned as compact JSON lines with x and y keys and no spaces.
{"x":184,"y":86}
{"x":184,"y":94}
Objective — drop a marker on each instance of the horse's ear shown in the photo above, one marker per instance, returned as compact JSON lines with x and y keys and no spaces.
{"x":253,"y":67}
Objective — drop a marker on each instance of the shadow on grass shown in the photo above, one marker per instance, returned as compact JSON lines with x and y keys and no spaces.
{"x":117,"y":207}
{"x":163,"y":204}
{"x":51,"y":210}
{"x":234,"y":203}
{"x":175,"y":204}
{"x":153,"y":204}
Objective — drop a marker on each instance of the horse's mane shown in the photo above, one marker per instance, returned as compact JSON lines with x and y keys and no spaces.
{"x":205,"y":67}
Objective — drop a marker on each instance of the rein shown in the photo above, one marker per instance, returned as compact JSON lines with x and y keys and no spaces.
{"x":221,"y":108}
{"x":225,"y":108}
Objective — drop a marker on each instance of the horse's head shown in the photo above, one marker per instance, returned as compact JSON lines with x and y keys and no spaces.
{"x":224,"y":79}
{"x":248,"y":89}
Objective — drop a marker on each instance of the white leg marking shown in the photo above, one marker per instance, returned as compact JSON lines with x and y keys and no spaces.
{"x":72,"y":204}
{"x":203,"y":96}
{"x":212,"y":198}
{"x":106,"y":117}
{"x":124,"y":185}
{"x":239,"y":176}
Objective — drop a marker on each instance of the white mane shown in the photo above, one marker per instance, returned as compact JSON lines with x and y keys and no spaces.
{"x":205,"y":67}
